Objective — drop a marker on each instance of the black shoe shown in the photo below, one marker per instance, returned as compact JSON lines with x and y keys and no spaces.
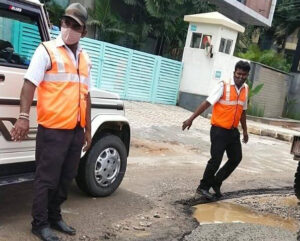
{"x":63,"y":227}
{"x":45,"y":234}
{"x":204,"y":193}
{"x":217,"y":190}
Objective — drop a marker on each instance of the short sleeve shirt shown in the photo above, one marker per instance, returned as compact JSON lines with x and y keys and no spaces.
{"x":41,"y":62}
{"x":218,"y":91}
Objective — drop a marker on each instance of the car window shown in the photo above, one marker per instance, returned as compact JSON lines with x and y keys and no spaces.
{"x":19,"y":37}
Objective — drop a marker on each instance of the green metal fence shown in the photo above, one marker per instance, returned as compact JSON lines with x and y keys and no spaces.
{"x":134,"y":75}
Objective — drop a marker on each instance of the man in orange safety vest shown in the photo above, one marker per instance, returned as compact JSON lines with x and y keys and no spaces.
{"x":60,"y":71}
{"x":229,"y":100}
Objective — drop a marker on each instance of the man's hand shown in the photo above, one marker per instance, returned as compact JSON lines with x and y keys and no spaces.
{"x":246,"y":138}
{"x":187,"y":124}
{"x":20,"y":130}
{"x":87,"y":140}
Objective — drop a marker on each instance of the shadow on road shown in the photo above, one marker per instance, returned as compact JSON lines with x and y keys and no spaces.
{"x":91,"y":216}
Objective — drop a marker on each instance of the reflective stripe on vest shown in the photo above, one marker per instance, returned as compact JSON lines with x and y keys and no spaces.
{"x":228,"y":110}
{"x":62,"y":95}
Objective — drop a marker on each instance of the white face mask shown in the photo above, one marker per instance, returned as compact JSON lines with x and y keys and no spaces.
{"x":70,"y":36}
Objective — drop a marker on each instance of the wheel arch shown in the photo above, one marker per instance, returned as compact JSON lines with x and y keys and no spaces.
{"x":111,"y":124}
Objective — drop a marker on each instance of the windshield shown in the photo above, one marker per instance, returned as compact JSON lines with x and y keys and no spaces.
{"x":19,"y":37}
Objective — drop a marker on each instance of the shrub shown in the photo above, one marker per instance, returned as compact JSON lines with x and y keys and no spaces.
{"x":268,"y":57}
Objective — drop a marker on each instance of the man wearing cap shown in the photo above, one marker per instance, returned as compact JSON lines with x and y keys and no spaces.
{"x":60,"y":70}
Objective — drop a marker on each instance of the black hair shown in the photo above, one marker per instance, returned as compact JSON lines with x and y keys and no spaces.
{"x":243,"y":65}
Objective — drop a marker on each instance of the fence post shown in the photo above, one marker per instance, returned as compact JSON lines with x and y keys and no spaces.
{"x":155,"y":79}
{"x":128,"y":71}
{"x":178,"y":84}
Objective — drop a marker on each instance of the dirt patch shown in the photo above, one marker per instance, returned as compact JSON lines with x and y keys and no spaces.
{"x":141,"y":147}
{"x":163,"y":222}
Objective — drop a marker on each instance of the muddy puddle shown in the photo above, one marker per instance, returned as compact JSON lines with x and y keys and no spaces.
{"x":226,"y":212}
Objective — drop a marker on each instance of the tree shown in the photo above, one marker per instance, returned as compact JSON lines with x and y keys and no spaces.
{"x":108,"y":25}
{"x":163,"y":21}
{"x":296,"y":60}
{"x":245,"y":39}
{"x":268,"y":57}
{"x":55,"y":11}
{"x":287,"y":21}
{"x":139,"y":23}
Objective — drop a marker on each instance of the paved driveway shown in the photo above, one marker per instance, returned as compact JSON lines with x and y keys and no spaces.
{"x":164,"y":169}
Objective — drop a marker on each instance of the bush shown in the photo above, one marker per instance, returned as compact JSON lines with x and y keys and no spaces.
{"x":255,"y":110}
{"x":268,"y":57}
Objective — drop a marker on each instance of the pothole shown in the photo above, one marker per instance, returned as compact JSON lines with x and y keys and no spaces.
{"x":228,"y":212}
{"x":264,"y":209}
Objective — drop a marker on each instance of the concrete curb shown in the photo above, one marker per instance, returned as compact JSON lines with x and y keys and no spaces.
{"x":263,"y":131}
{"x":270,"y":133}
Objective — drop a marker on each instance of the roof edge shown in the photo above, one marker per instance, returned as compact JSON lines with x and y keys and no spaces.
{"x":226,"y":22}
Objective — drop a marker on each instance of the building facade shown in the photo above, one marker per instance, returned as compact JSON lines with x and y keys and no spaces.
{"x":252,"y":12}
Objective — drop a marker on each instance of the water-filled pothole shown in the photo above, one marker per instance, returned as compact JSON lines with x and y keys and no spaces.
{"x":226,"y":212}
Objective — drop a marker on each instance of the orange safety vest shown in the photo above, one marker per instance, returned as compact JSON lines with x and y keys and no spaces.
{"x":62,"y":95}
{"x":228,"y":110}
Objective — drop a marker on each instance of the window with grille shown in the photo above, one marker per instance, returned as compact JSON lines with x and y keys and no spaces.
{"x":225,"y":45}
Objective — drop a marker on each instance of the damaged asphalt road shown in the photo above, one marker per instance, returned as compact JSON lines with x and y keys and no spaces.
{"x":156,"y":198}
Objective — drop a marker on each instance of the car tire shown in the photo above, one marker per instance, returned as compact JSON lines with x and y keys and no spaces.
{"x":103,"y":169}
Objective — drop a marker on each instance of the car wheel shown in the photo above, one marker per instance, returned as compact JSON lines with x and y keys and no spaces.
{"x":102,"y":171}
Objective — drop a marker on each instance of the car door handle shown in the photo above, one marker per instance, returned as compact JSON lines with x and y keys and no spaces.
{"x":2,"y":77}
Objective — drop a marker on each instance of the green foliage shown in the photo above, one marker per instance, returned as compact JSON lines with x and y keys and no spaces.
{"x":131,"y":2}
{"x":163,"y":20}
{"x":245,"y":39}
{"x":294,"y":115}
{"x":268,"y":57}
{"x":109,"y":26}
{"x":156,"y":19}
{"x":55,"y":11}
{"x":253,"y":91}
{"x":289,"y":111}
{"x":289,"y":108}
{"x":255,"y":110}
{"x":286,"y":19}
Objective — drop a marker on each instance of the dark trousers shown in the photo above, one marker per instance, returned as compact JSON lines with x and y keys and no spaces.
{"x":57,"y":159}
{"x":222,"y":140}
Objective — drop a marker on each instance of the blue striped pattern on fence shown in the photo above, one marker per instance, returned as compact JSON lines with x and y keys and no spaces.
{"x":27,"y":38}
{"x":141,"y":76}
{"x":94,"y":49}
{"x":169,"y":76}
{"x":114,"y":69}
{"x":134,"y":75}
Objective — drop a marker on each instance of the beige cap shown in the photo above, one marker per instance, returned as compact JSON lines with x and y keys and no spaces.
{"x":77,"y":12}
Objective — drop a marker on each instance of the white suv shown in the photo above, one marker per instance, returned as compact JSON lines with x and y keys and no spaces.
{"x":102,"y":168}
